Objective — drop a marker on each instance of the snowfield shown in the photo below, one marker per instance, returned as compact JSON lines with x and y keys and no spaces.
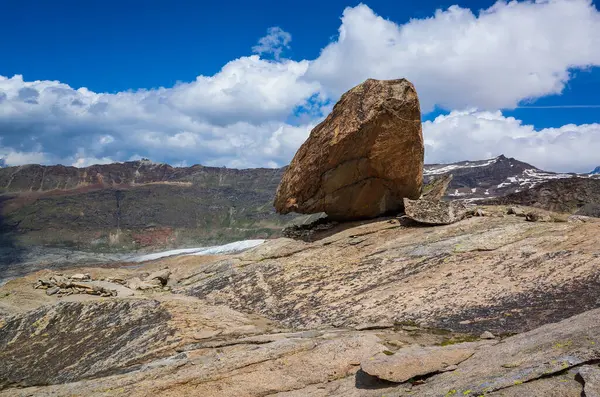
{"x":230,"y":248}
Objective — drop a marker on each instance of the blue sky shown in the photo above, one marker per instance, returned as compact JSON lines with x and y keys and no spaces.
{"x":189,"y":82}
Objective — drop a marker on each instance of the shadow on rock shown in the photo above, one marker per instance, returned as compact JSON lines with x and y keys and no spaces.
{"x":10,"y":252}
{"x":367,"y":382}
{"x":323,"y":227}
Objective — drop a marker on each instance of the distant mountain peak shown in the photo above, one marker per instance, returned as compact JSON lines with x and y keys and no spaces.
{"x":596,"y":171}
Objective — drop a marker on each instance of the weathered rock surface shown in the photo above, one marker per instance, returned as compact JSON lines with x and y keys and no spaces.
{"x":435,"y":212}
{"x":72,"y":341}
{"x":546,"y":351}
{"x":293,"y":318}
{"x":536,"y":216}
{"x":161,"y":275}
{"x":414,"y":361}
{"x":497,"y":274}
{"x":591,"y":378}
{"x":568,"y":195}
{"x":363,"y":159}
{"x":516,"y":211}
{"x":157,"y":279}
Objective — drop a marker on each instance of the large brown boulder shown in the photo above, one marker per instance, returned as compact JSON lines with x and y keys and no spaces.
{"x":363,"y":159}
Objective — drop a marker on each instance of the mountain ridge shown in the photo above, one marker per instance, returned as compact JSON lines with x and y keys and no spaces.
{"x":142,"y":205}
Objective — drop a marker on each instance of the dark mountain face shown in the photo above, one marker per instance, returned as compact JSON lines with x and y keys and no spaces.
{"x":38,"y":178}
{"x":138,"y":205}
{"x":596,"y":171}
{"x":490,"y":178}
{"x":572,"y":195}
{"x":141,"y":204}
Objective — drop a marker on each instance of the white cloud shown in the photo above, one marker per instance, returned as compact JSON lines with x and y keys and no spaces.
{"x":11,"y":157}
{"x":456,"y":59}
{"x":473,"y":135}
{"x":274,"y":43}
{"x":256,"y":112}
{"x":83,"y":160}
{"x":233,"y":118}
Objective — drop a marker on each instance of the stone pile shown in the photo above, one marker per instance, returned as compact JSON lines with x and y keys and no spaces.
{"x":62,"y":285}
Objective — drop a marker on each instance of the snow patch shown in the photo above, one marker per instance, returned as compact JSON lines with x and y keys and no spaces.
{"x":230,"y":248}
{"x":445,"y":168}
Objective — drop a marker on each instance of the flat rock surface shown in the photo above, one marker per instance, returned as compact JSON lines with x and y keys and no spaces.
{"x":591,"y":378}
{"x":543,"y":352}
{"x":414,"y":361}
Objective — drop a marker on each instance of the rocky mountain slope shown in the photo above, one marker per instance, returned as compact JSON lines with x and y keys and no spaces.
{"x":137,"y":205}
{"x":369,"y":309}
{"x":580,"y":196}
{"x":145,"y":205}
{"x":492,"y":178}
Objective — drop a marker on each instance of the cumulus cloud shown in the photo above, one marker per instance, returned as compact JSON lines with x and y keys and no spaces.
{"x":256,"y":111}
{"x":234,"y":118}
{"x":473,"y":135}
{"x":508,"y":53}
{"x":10,"y":157}
{"x":274,"y":43}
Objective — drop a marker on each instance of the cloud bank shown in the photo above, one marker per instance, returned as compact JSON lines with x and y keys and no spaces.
{"x":256,"y":111}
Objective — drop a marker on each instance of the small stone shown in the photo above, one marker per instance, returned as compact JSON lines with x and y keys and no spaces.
{"x":515,"y":211}
{"x":487,"y":335}
{"x":160,"y":275}
{"x":537,"y":217}
{"x":52,"y":290}
{"x":137,"y":284}
{"x":80,"y":277}
{"x":60,"y":281}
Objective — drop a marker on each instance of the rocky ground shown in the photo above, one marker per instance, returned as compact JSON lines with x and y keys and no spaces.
{"x":493,"y":305}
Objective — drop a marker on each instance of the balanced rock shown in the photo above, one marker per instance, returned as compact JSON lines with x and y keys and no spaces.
{"x":363,"y":159}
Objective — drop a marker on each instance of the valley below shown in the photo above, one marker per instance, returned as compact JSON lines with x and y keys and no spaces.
{"x":141,"y":206}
